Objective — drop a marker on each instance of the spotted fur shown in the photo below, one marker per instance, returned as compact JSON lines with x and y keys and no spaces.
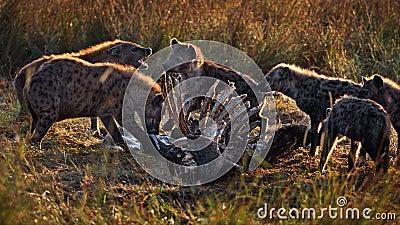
{"x":70,"y":87}
{"x":117,"y":51}
{"x":361,"y":120}
{"x":387,"y":93}
{"x":312,"y":92}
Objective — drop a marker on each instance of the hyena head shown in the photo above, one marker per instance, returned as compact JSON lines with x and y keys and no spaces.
{"x":372,"y":88}
{"x":153,"y":113}
{"x":129,"y":53}
{"x":278,"y":77}
{"x":184,"y":58}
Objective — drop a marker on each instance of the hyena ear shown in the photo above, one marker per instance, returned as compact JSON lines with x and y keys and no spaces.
{"x":378,"y":81}
{"x":115,"y":50}
{"x":192,"y":52}
{"x":364,"y":79}
{"x":174,"y":42}
{"x":157,"y":100}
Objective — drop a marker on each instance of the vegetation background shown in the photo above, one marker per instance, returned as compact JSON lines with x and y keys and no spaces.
{"x":76,"y":181}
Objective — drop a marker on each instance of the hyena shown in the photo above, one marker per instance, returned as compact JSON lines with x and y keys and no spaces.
{"x":70,"y":87}
{"x":387,"y":93}
{"x":188,"y":61}
{"x":360,"y":120}
{"x":117,"y":51}
{"x":312,"y":92}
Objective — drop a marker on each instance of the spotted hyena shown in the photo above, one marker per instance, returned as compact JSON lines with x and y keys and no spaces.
{"x":387,"y":93}
{"x":312,"y":92}
{"x":70,"y":87}
{"x":188,"y":60}
{"x":117,"y":51}
{"x":361,"y":120}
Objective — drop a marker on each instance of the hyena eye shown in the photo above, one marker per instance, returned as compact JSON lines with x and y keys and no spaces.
{"x":134,"y":49}
{"x":364,"y":93}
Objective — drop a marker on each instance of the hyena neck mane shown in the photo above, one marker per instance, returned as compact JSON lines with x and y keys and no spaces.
{"x":126,"y":68}
{"x":212,"y":69}
{"x":220,"y":72}
{"x":95,"y":53}
{"x":298,"y":77}
{"x":390,"y":94}
{"x":391,"y":85}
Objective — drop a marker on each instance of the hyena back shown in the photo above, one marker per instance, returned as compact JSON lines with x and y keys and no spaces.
{"x":360,"y":120}
{"x":387,"y":93}
{"x":70,"y":87}
{"x":117,"y":51}
{"x":313,"y":93}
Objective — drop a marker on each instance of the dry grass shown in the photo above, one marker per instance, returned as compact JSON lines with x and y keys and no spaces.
{"x":340,"y":38}
{"x":76,"y":181}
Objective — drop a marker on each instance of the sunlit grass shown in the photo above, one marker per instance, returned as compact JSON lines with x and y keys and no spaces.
{"x":339,"y":38}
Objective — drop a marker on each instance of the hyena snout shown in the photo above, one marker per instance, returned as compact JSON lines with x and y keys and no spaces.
{"x":144,"y":52}
{"x":148,"y":51}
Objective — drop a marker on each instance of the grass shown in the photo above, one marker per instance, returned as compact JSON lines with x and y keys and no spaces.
{"x":74,"y":180}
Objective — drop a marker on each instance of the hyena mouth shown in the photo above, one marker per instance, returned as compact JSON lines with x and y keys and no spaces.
{"x":142,"y":60}
{"x":143,"y":63}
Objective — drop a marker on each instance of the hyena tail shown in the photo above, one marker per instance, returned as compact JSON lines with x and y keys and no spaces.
{"x":19,"y":84}
{"x":29,"y":108}
{"x":21,"y":80}
{"x":382,"y":157}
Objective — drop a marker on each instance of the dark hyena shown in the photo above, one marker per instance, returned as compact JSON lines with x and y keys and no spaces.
{"x":70,"y":87}
{"x":117,"y":51}
{"x":188,"y":61}
{"x":312,"y":92}
{"x":387,"y":93}
{"x":360,"y":120}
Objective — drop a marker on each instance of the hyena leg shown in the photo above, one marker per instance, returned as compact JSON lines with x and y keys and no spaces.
{"x":93,"y":124}
{"x":315,"y":140}
{"x":43,"y":124}
{"x":94,"y":127}
{"x":23,"y":112}
{"x":328,"y":138}
{"x":352,"y":156}
{"x":113,"y":130}
{"x":382,"y":157}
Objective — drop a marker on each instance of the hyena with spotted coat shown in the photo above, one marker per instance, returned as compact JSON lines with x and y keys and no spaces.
{"x":360,"y":120}
{"x":313,"y":93}
{"x":117,"y":51}
{"x":387,"y":93}
{"x":70,"y":87}
{"x":188,"y":61}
